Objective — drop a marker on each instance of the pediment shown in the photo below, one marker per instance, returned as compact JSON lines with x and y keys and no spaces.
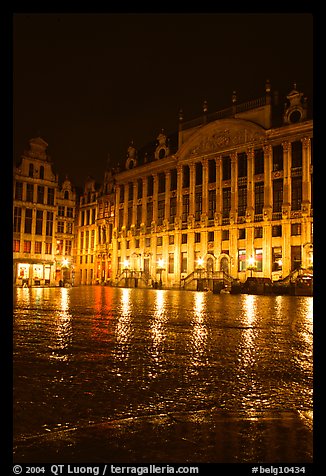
{"x":221,"y":135}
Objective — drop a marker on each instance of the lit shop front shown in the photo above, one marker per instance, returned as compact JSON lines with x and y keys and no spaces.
{"x":31,"y":273}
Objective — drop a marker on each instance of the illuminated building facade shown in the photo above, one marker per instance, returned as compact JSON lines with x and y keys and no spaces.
{"x":228,"y":196}
{"x":86,"y":231}
{"x":43,"y":221}
{"x":234,"y":197}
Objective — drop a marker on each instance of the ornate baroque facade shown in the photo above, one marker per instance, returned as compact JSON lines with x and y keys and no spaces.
{"x":236,"y":196}
{"x":231,"y":193}
{"x":44,"y":216}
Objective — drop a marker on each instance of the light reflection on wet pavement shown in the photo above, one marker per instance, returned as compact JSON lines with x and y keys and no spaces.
{"x":128,"y":375}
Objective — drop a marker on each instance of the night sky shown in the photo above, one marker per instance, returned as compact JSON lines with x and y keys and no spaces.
{"x":88,"y":84}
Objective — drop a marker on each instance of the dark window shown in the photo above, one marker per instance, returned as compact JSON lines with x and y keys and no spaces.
{"x":185,"y":176}
{"x":120,"y":218}
{"x":70,"y":212}
{"x":242,"y":200}
{"x":226,"y":168}
{"x":173,"y":208}
{"x":139,"y":215}
{"x":161,"y":183}
{"x":31,"y":170}
{"x":258,"y":232}
{"x":296,"y":193}
{"x":184,"y":238}
{"x":295,"y":257}
{"x":259,"y":161}
{"x":211,"y":203}
{"x":49,"y":223}
{"x":197,"y":237}
{"x":259,"y":198}
{"x":139,"y":188}
{"x":28,"y":220}
{"x":296,"y":152}
{"x":19,"y":191}
{"x":295,"y":229}
{"x":184,"y":264}
{"x":198,"y":205}
{"x":40,"y":194}
{"x":129,"y":217}
{"x":17,"y":219}
{"x":242,"y":233}
{"x":185,"y":208}
{"x":277,"y":195}
{"x":122,"y":193}
{"x":276,"y":230}
{"x":29,"y":192}
{"x":42,"y":172}
{"x":225,"y":235}
{"x":150,"y":186}
{"x":160,"y":211}
{"x":149,"y":216}
{"x":211,"y":171}
{"x":277,"y":157}
{"x":174,"y":179}
{"x":242,"y":164}
{"x":226,"y":196}
{"x":199,"y":173}
{"x":66,"y":195}
{"x":51,"y":196}
{"x":39,"y":222}
{"x":130,"y":191}
{"x":210,"y":236}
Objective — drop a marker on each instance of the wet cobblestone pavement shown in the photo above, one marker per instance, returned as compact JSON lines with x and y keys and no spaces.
{"x":154,"y":376}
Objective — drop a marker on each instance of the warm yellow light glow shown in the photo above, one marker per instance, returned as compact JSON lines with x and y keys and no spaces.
{"x":251,"y":261}
{"x":160,"y":263}
{"x":65,"y":262}
{"x":200,"y":261}
{"x":280,"y":262}
{"x":126,"y":263}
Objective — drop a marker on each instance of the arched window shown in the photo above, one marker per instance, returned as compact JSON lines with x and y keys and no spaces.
{"x":41,"y":172}
{"x":66,"y":195}
{"x":31,"y":170}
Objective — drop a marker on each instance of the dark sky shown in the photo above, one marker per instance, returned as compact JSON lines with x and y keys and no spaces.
{"x":90,"y":83}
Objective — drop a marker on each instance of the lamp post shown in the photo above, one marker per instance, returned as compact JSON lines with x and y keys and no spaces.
{"x":251,"y":265}
{"x":126,"y":265}
{"x":200,"y":268}
{"x":159,"y":269}
{"x":65,"y":275}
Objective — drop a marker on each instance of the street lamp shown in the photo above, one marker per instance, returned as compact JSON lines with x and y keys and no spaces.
{"x":126,"y":265}
{"x":200,"y":267}
{"x":251,"y":265}
{"x":160,"y":268}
